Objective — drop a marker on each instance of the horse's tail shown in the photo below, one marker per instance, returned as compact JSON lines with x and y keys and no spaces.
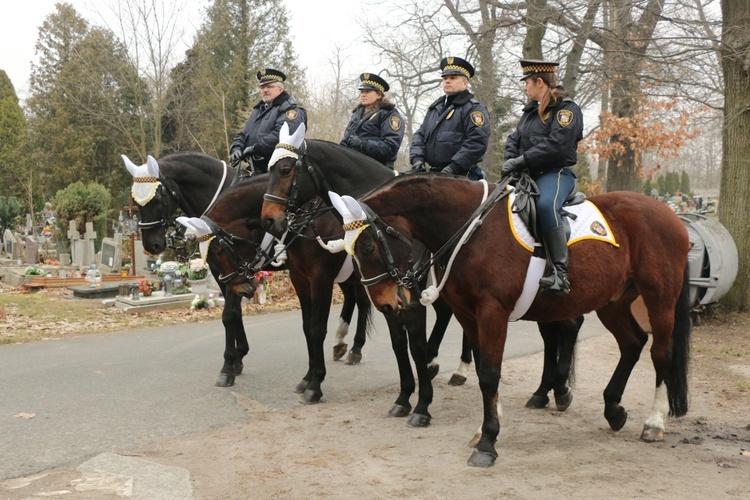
{"x":678,"y":375}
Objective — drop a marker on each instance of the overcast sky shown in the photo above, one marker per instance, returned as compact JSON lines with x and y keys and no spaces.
{"x":318,"y":26}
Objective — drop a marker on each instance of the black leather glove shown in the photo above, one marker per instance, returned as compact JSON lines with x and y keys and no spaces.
{"x":513,"y":165}
{"x":448,"y":170}
{"x":235,"y":156}
{"x":355,"y":142}
{"x":417,"y":166}
{"x":248,"y":151}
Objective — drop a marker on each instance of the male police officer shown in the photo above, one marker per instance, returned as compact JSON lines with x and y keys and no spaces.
{"x":456,"y":130}
{"x":261,"y":133}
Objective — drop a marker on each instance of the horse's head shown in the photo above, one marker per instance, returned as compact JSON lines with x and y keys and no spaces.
{"x":382,"y":252}
{"x":157,"y":200}
{"x":289,"y":183}
{"x":234,"y":253}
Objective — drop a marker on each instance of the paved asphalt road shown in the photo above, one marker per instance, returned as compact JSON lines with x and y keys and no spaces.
{"x":117,"y":391}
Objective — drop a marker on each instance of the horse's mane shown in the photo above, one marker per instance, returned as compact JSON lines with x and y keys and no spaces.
{"x":350,"y":154}
{"x":204,"y":162}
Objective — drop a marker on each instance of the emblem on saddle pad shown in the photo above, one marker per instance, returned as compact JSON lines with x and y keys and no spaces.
{"x":589,"y":224}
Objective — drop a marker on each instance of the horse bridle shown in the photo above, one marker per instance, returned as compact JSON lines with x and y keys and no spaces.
{"x":241,"y":267}
{"x":166,"y":217}
{"x":300,"y":163}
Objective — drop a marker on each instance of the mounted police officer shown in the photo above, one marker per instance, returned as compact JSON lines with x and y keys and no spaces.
{"x":545,"y":144}
{"x":456,"y":129}
{"x":376,"y":128}
{"x":261,"y":133}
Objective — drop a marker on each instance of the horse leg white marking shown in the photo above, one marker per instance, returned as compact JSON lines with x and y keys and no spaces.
{"x":462,"y":370}
{"x":341,"y":331}
{"x":478,"y":435}
{"x":435,"y":361}
{"x":653,"y":430}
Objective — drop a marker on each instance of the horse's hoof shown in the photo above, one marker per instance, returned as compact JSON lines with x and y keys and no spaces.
{"x":563,"y":402}
{"x":652,"y":434}
{"x":481,"y":459}
{"x":399,"y":411}
{"x":353,"y":358}
{"x":225,"y":380}
{"x":302,"y":386}
{"x":339,"y":350}
{"x":617,"y":421}
{"x":238,"y":367}
{"x":417,"y":420}
{"x":310,"y":397}
{"x":537,"y":402}
{"x":433,"y":370}
{"x":457,"y":380}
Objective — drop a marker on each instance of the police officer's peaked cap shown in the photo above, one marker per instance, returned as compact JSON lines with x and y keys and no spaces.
{"x":268,"y":75}
{"x":456,"y":66}
{"x":535,"y":66}
{"x":371,"y":81}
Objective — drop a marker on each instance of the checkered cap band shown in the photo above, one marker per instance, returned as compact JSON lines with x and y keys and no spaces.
{"x":538,"y":68}
{"x":453,"y":67}
{"x":145,"y":179}
{"x":351,"y":226}
{"x":374,"y":84}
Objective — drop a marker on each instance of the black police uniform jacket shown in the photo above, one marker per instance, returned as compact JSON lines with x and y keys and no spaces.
{"x":263,"y":126}
{"x":381,"y":131}
{"x":455,"y":132}
{"x":551,"y":145}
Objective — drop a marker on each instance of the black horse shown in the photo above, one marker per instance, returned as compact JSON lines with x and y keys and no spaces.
{"x":191,"y":182}
{"x":318,"y":167}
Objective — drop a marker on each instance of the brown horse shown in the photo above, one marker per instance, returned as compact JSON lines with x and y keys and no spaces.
{"x":488,"y":273}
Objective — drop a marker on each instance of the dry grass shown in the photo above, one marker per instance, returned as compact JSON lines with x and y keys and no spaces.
{"x":55,"y":313}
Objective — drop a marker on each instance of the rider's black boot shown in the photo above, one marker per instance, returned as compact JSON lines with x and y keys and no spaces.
{"x":557,"y":250}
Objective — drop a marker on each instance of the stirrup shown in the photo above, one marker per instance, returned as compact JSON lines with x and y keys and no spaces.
{"x":555,"y":284}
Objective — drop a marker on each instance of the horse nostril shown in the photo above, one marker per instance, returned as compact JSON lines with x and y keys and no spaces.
{"x":268,"y":224}
{"x":387,"y":310}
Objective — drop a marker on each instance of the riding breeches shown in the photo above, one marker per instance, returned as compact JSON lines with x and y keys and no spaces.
{"x":554,"y":187}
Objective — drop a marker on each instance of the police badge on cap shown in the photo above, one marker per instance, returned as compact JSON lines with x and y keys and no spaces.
{"x":456,"y":66}
{"x":371,"y":81}
{"x":268,"y":75}
{"x":534,"y":66}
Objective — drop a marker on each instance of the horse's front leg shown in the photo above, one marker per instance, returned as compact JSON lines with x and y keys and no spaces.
{"x":345,"y":318}
{"x":488,"y":356}
{"x":235,"y":340}
{"x":415,"y":319}
{"x":399,"y":343}
{"x":321,"y":307}
{"x":443,"y":315}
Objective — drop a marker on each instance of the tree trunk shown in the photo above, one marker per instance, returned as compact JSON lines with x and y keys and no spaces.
{"x":734,"y":205}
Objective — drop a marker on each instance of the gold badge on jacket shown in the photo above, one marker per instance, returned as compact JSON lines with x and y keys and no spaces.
{"x":564,"y":117}
{"x":395,"y":123}
{"x":477,"y":117}
{"x":291,"y":114}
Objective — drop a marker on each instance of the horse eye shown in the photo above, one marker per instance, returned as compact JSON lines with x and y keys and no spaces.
{"x":368,"y":249}
{"x":286,"y":170}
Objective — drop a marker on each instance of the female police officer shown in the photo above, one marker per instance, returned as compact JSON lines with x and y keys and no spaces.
{"x":545,"y":143}
{"x":376,"y":128}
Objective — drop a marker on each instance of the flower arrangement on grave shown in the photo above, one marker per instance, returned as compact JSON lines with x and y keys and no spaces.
{"x":34,"y":271}
{"x":147,"y":287}
{"x":264,"y":280}
{"x":198,"y":269}
{"x":201,"y":302}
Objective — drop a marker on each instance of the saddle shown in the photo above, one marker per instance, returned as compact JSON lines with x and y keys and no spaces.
{"x":524,"y":205}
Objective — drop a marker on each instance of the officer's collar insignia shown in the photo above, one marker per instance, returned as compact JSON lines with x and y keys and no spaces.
{"x":477,"y":118}
{"x":564,"y":117}
{"x":450,"y":114}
